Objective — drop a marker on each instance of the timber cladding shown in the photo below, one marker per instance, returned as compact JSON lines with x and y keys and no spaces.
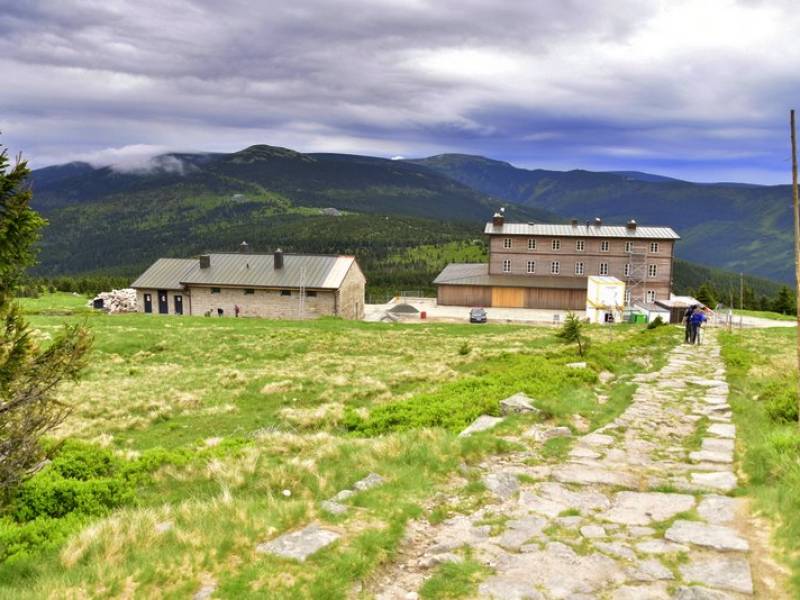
{"x":509,"y":297}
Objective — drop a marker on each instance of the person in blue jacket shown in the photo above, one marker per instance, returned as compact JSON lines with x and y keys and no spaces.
{"x":697,"y":318}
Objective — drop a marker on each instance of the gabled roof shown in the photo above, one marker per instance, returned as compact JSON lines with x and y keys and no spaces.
{"x":250,"y":270}
{"x":478,"y":274}
{"x":592,"y":230}
{"x":164,"y":274}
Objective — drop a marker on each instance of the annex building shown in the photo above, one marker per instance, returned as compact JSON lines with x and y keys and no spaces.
{"x":544,"y":265}
{"x":277,"y":285}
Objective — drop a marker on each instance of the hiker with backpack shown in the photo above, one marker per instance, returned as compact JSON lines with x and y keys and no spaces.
{"x":687,"y":318}
{"x":697,"y":319}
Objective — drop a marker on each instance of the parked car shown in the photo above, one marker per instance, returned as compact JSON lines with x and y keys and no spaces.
{"x":477,"y":315}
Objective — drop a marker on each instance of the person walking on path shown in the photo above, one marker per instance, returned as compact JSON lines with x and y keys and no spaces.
{"x":687,"y":317}
{"x":697,"y":319}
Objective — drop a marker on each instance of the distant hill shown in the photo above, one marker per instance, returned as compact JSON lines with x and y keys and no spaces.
{"x":104,"y":220}
{"x":736,"y":227}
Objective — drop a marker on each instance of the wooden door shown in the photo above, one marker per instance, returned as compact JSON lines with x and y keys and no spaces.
{"x":148,"y":303}
{"x":178,"y":305}
{"x":163,"y":303}
{"x":508,"y":297}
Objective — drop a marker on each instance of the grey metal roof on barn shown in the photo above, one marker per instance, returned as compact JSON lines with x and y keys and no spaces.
{"x":164,"y":274}
{"x":581,"y":230}
{"x":313,"y":271}
{"x":478,"y":274}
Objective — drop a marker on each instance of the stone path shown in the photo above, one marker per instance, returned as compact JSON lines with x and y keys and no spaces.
{"x":639,"y":510}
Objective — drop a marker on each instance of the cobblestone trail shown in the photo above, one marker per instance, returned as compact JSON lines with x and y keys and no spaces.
{"x":639,"y":510}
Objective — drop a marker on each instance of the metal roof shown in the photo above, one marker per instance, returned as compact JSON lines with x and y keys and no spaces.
{"x":478,"y":274}
{"x":164,"y":274}
{"x":252,"y":270}
{"x":591,"y":230}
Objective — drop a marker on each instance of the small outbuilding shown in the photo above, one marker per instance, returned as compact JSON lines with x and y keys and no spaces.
{"x":277,"y":285}
{"x":605,"y":299}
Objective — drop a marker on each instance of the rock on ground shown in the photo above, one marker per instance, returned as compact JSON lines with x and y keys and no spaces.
{"x":482,"y":423}
{"x":299,"y":545}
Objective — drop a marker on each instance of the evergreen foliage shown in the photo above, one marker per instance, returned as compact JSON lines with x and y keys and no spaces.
{"x":572,"y":333}
{"x":29,"y":375}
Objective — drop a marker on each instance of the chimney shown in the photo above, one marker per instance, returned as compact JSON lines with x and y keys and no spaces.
{"x":498,"y":219}
{"x":574,"y":222}
{"x":278,"y":259}
{"x":205,"y":261}
{"x":244,"y":248}
{"x":598,"y":221}
{"x":631,"y":225}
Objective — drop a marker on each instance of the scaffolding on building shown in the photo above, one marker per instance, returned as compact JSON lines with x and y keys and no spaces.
{"x":636,"y":274}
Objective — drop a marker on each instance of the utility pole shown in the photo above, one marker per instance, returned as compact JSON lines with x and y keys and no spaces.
{"x":741,"y":291}
{"x":796,"y":212}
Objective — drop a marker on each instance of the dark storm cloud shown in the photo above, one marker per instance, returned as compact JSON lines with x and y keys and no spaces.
{"x":700,"y":91}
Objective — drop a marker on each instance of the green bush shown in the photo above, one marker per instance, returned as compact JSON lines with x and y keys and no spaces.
{"x":780,"y":401}
{"x":656,"y":323}
{"x":19,"y":541}
{"x":464,"y":349}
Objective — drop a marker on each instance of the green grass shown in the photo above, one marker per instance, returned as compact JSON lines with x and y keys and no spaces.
{"x":761,"y":365}
{"x":227,"y":414}
{"x":764,"y":314}
{"x":454,"y":580}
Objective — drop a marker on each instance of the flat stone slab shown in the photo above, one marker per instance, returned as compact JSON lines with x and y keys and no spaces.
{"x":700,"y":593}
{"x":727,"y":572}
{"x":718,"y":445}
{"x":717,"y":537}
{"x":504,"y":485}
{"x":597,"y":439}
{"x":520,"y":531}
{"x":343,"y":495}
{"x":723,"y":481}
{"x":504,"y":588}
{"x":482,"y":423}
{"x":542,"y":434}
{"x":643,"y":508}
{"x":649,"y":569}
{"x":722,"y":430}
{"x":711,"y":456}
{"x":517,"y":404}
{"x":551,"y":499}
{"x":718,"y":510}
{"x":653,"y":591}
{"x":593,"y":531}
{"x":660,"y":547}
{"x":333,"y":507}
{"x":301,"y":544}
{"x":370,"y":481}
{"x":576,"y":365}
{"x":582,"y":474}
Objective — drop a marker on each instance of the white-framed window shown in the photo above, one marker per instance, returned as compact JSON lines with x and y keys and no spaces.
{"x":578,"y":268}
{"x":556,"y":244}
{"x":506,"y":242}
{"x":531,"y":243}
{"x":506,"y":265}
{"x":580,"y":245}
{"x":653,"y":247}
{"x":627,"y":297}
{"x":603,"y":268}
{"x":531,"y":266}
{"x":651,"y":295}
{"x":628,"y":246}
{"x":603,"y":245}
{"x":651,"y":270}
{"x":628,"y":270}
{"x":555,"y":268}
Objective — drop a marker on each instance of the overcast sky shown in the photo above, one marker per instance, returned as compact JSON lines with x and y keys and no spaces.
{"x":698,"y":89}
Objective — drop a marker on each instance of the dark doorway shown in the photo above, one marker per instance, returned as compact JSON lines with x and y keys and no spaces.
{"x":148,"y":303}
{"x":163,"y":304}
{"x":178,"y":305}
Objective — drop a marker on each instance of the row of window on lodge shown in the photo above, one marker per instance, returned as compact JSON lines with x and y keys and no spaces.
{"x":251,"y":291}
{"x":555,"y":268}
{"x":580,"y":245}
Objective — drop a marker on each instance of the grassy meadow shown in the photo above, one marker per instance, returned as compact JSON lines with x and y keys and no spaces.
{"x":194,"y":439}
{"x":762,"y":371}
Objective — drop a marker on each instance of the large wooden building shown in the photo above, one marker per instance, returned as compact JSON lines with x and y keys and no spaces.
{"x":542,"y":265}
{"x":277,"y":285}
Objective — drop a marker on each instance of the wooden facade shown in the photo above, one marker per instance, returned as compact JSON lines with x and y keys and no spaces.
{"x":503,"y":297}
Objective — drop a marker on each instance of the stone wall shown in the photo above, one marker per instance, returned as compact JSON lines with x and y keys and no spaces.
{"x":350,"y":297}
{"x":263,"y":303}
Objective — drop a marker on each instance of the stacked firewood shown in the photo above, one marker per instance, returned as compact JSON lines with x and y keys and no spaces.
{"x":116,"y":301}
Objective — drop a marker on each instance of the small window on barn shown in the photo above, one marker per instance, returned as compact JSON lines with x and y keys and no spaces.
{"x":249,"y":291}
{"x":555,"y":268}
{"x":604,"y":246}
{"x":654,"y":247}
{"x":578,"y":268}
{"x":507,"y":266}
{"x":311,"y":294}
{"x":531,"y":266}
{"x":628,"y":270}
{"x":531,"y":243}
{"x":628,"y":246}
{"x":507,"y":243}
{"x":215,"y":290}
{"x":286,"y":292}
{"x":580,"y":245}
{"x":651,"y":270}
{"x":603,"y":268}
{"x":651,"y":295}
{"x":556,"y":244}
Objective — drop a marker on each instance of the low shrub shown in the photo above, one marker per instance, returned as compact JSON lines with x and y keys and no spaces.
{"x":780,"y":401}
{"x":656,"y":323}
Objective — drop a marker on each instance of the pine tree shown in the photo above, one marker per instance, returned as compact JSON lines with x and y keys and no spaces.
{"x":706,"y":295}
{"x":572,"y":333}
{"x":785,"y":302}
{"x":29,"y":375}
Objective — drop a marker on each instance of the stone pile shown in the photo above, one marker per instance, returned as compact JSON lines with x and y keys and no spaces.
{"x":116,"y":301}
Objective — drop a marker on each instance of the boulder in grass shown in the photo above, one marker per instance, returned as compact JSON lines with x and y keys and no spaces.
{"x":517,"y":404}
{"x":482,"y":423}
